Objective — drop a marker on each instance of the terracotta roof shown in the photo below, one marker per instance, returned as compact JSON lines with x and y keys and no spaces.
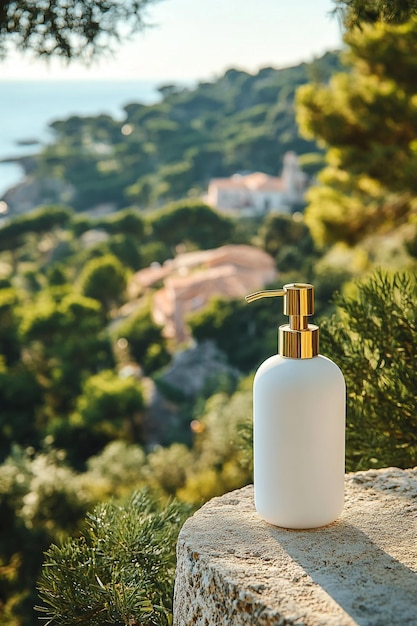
{"x":194,"y":278}
{"x":151,"y":275}
{"x":257,"y":181}
{"x":225,"y":281}
{"x":236,"y":183}
{"x":240,"y":255}
{"x":194,"y":259}
{"x":263,"y":182}
{"x":243,"y":256}
{"x":213,"y":279}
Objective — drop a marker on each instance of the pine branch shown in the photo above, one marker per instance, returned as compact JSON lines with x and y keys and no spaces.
{"x":119,"y":572}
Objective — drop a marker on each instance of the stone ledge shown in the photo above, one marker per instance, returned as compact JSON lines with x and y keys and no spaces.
{"x":235,"y":569}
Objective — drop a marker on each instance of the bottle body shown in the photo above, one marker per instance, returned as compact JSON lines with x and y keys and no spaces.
{"x":299,"y":441}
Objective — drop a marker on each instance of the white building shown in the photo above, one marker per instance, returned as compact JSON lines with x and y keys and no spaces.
{"x":257,"y":193}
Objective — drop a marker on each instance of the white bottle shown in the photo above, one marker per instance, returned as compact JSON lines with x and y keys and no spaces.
{"x":299,"y":423}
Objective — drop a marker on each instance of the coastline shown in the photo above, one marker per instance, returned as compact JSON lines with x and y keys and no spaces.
{"x":28,"y":107}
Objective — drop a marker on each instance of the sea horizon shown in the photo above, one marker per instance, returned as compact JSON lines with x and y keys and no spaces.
{"x":27,"y":107}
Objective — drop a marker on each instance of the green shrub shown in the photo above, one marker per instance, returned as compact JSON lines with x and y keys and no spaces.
{"x":119,"y":571}
{"x":373,"y":338}
{"x":41,"y":500}
{"x":146,"y":344}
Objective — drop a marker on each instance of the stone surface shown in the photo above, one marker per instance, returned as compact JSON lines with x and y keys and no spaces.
{"x":235,"y":569}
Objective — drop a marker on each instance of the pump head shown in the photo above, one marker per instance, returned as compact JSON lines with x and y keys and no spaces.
{"x":298,"y":339}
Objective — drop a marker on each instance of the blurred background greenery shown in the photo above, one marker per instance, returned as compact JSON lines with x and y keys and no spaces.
{"x":79,"y":364}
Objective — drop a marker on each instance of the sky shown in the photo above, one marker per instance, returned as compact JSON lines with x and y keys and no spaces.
{"x":200,"y":39}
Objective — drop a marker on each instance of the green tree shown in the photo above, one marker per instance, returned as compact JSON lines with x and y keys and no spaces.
{"x":279,"y":230}
{"x":355,"y":13}
{"x":80,"y":30}
{"x":288,"y":239}
{"x":45,"y":220}
{"x":80,"y":224}
{"x":119,"y":466}
{"x":9,"y":321}
{"x":57,"y":275}
{"x":126,"y":230}
{"x":109,"y":402}
{"x":145,"y":341}
{"x":41,"y":499}
{"x":104,"y":279}
{"x":141,"y":191}
{"x":107,"y":408}
{"x":119,"y":571}
{"x":127,"y":250}
{"x":12,"y":237}
{"x":127,"y":222}
{"x":191,"y":221}
{"x":21,"y":397}
{"x":367,"y":118}
{"x":174,"y":147}
{"x":373,"y":339}
{"x":175,"y":180}
{"x":64,"y":341}
{"x":166,"y":468}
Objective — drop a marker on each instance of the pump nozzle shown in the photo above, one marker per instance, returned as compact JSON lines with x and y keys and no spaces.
{"x":298,"y":339}
{"x":269,"y":293}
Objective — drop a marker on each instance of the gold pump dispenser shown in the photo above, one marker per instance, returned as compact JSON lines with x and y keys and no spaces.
{"x":298,"y":339}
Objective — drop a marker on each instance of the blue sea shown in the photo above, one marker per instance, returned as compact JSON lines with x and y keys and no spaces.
{"x":28,"y":107}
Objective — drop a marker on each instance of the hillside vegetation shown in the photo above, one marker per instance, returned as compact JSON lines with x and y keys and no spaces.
{"x":73,"y":417}
{"x":171,"y":149}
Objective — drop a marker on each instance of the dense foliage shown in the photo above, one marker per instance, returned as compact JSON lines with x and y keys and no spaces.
{"x":75,"y":341}
{"x":367,"y":117}
{"x":115,"y":587}
{"x":171,"y":149}
{"x":144,"y":338}
{"x":72,"y":408}
{"x":374,"y":340}
{"x":81,"y":29}
{"x":356,"y":13}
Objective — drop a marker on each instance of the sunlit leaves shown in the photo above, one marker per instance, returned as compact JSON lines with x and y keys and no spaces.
{"x":374,"y":341}
{"x":357,"y":13}
{"x":367,"y":119}
{"x":104,"y":279}
{"x":74,"y":30}
{"x":120,"y":571}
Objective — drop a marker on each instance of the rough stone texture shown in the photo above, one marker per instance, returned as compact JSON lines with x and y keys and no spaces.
{"x":235,"y":569}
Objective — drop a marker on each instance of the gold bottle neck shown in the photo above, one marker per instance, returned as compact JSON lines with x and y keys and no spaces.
{"x":296,"y":343}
